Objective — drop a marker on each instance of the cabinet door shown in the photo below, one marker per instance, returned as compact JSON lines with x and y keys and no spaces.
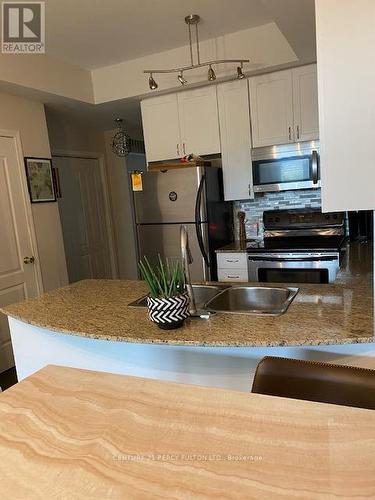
{"x":346,"y":83}
{"x":161,"y":128}
{"x":234,"y":118}
{"x":199,"y":121}
{"x":305,"y":102}
{"x":271,"y":105}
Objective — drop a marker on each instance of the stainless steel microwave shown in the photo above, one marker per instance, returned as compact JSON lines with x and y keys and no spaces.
{"x":286,"y":167}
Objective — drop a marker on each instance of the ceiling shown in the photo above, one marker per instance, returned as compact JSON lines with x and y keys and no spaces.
{"x":96,"y":33}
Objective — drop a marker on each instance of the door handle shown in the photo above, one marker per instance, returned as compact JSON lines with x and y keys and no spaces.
{"x":290,"y":133}
{"x":297,"y":131}
{"x":183,"y":148}
{"x":315,"y":166}
{"x":28,"y":260}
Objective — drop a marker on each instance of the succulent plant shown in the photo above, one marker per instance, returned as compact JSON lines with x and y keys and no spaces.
{"x":165,"y":279}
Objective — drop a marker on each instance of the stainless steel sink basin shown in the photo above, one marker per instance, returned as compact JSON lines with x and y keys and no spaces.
{"x":252,"y":300}
{"x":202,"y":294}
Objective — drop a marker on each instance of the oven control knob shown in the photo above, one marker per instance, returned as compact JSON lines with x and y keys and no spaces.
{"x":327,"y":216}
{"x":335,"y":216}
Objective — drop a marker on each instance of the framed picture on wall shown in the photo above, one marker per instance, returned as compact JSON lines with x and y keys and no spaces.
{"x":40,"y":179}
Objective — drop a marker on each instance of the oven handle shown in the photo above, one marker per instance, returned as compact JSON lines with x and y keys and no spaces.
{"x":290,"y":259}
{"x":315,"y":166}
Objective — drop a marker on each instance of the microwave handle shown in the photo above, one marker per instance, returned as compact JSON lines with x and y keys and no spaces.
{"x":315,"y":166}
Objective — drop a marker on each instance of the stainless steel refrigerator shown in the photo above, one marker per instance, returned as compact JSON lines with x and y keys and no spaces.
{"x":192,"y":196}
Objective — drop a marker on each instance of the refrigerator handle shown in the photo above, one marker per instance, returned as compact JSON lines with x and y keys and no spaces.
{"x":198,"y":226}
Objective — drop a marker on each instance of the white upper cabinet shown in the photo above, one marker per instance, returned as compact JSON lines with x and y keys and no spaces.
{"x":271,"y":104}
{"x":161,"y":128}
{"x":284,"y":106}
{"x":178,"y":124}
{"x":199,"y":121}
{"x":305,"y":103}
{"x":234,"y":117}
{"x":345,"y":33}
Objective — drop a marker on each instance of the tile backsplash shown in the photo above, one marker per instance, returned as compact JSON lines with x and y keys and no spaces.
{"x":302,"y":198}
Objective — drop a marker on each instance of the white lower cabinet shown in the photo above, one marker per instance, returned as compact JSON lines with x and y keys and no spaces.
{"x":232,"y":266}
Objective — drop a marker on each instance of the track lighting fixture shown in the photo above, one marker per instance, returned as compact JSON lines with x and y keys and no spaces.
{"x":211,"y":74}
{"x":240,"y":74}
{"x":151,"y":82}
{"x":181,"y":79}
{"x":192,"y":22}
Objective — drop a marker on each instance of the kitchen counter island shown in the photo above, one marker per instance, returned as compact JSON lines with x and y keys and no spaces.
{"x":80,"y":434}
{"x":90,"y":325}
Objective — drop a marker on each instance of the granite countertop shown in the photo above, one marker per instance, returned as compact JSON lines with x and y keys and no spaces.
{"x":68,"y":433}
{"x":340,"y":313}
{"x":236,"y":246}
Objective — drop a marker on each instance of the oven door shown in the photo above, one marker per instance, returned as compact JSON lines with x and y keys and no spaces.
{"x":293,"y":268}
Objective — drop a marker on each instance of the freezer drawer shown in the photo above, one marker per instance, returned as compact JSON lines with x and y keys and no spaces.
{"x":164,"y":239}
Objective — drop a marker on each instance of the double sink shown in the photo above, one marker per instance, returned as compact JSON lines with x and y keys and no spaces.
{"x":237,"y":299}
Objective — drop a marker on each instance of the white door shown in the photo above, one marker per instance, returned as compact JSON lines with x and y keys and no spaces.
{"x":83,"y":219}
{"x":271,"y":105}
{"x":199,"y":121}
{"x":234,"y":117}
{"x":18,"y":280}
{"x":305,"y":101}
{"x":161,"y":128}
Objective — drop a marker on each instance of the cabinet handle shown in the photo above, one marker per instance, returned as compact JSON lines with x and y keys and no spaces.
{"x":183,"y":148}
{"x":233,"y":277}
{"x":297,"y":131}
{"x":232,"y":260}
{"x":290,"y":133}
{"x":178,"y":150}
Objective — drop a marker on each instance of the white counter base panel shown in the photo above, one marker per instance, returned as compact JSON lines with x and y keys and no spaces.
{"x":225,"y":367}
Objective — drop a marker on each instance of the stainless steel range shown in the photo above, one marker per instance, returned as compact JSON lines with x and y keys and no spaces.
{"x":299,"y":246}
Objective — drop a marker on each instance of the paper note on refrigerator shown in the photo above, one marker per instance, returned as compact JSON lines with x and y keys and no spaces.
{"x":137,"y":182}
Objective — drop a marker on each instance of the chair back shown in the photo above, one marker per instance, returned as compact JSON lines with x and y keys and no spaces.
{"x":315,"y":381}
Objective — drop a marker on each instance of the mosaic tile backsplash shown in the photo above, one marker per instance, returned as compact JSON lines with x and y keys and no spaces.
{"x":302,"y":198}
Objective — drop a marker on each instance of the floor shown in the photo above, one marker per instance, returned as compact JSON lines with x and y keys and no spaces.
{"x":8,"y":378}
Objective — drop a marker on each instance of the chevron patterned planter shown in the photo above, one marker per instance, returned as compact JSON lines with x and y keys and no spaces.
{"x":170,"y":313}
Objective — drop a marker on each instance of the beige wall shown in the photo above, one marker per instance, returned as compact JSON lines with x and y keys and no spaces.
{"x":45,"y":74}
{"x":28,"y":118}
{"x":121,"y":207}
{"x":66,"y":133}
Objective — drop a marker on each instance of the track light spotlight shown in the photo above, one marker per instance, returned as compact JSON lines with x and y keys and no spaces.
{"x":181,"y":79}
{"x":240,"y":74}
{"x":211,"y":74}
{"x":151,"y":82}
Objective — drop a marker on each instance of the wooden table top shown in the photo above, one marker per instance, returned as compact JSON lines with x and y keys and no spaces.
{"x":68,"y":433}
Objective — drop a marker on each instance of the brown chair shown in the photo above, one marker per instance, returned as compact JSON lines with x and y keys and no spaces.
{"x":314,"y":381}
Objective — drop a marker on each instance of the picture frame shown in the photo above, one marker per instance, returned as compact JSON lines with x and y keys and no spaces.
{"x":40,"y":179}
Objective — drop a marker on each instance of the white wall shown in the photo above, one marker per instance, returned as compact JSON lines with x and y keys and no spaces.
{"x":346,"y":82}
{"x":265,"y":46}
{"x":28,"y":118}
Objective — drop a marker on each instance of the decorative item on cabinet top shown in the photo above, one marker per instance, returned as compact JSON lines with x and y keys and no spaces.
{"x":193,"y":20}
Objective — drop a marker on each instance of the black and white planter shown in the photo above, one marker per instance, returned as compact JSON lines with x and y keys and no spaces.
{"x":170,"y":313}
